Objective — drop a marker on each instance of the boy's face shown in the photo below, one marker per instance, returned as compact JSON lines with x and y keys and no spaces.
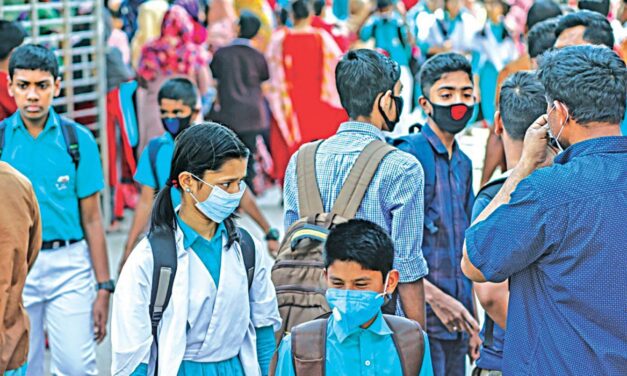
{"x":171,"y":108}
{"x":350,"y":275}
{"x":33,"y":91}
{"x":451,"y":88}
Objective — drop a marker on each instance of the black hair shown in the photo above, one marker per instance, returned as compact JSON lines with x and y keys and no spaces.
{"x":249,"y":24}
{"x":382,"y":4}
{"x":521,"y":102}
{"x":360,"y":76}
{"x":12,"y":35}
{"x":179,"y":89}
{"x":542,"y":10}
{"x":34,"y":57}
{"x":435,"y":67}
{"x":590,"y":80}
{"x":599,"y":6}
{"x":363,"y":242}
{"x":206,"y":146}
{"x":283,"y":16}
{"x":318,"y":7}
{"x":301,"y":9}
{"x":541,"y":37}
{"x":598,"y":28}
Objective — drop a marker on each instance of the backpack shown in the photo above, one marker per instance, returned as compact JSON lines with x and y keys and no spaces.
{"x":489,"y":191}
{"x":153,"y":150}
{"x":164,"y":254}
{"x":68,"y":129}
{"x":309,"y":346}
{"x":298,"y":271}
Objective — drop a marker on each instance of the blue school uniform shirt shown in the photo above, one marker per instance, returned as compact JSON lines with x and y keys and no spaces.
{"x":360,"y":352}
{"x":561,"y":242}
{"x":59,"y":185}
{"x":386,"y":36}
{"x":144,"y":174}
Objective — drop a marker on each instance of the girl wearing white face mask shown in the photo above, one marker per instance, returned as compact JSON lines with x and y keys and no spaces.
{"x":214,"y":323}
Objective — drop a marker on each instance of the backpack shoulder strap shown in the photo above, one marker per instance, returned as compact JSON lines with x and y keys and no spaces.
{"x":491,"y":188}
{"x":70,"y":136}
{"x":309,"y":347}
{"x":359,"y":178}
{"x":247,"y":244}
{"x":409,"y":343}
{"x":3,"y":128}
{"x":153,"y":150}
{"x":164,"y":255}
{"x":309,"y":198}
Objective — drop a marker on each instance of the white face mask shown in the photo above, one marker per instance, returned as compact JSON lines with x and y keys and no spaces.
{"x":220,"y":204}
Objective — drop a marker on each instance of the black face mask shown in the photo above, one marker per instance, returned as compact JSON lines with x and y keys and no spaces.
{"x":452,"y":118}
{"x":398,"y":103}
{"x":176,"y":125}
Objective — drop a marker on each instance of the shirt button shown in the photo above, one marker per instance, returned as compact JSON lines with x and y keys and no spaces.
{"x":367,"y":363}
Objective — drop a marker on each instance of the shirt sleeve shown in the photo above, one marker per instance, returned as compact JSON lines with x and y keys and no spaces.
{"x":427,"y":366}
{"x":143,"y":174}
{"x":405,"y":200}
{"x":264,"y":309}
{"x":290,"y":193}
{"x":89,"y":176}
{"x":511,"y":238}
{"x":265,"y":347}
{"x":366,"y":31}
{"x":285,"y":366}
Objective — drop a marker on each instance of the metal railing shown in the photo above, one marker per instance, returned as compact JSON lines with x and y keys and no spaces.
{"x":77,"y":38}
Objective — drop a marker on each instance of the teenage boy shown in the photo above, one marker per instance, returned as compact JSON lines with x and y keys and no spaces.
{"x":358,"y":258}
{"x":177,"y":102}
{"x":369,"y":88}
{"x":11,"y":36}
{"x":61,"y":160}
{"x":521,"y":102}
{"x":447,"y":87}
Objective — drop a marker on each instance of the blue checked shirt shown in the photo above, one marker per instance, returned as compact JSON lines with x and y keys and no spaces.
{"x":448,"y":207}
{"x":394,"y":199}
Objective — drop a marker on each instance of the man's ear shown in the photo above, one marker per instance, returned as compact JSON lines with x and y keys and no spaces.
{"x":194,"y":115}
{"x":57,"y":86}
{"x":498,"y":123}
{"x":393,"y":278}
{"x":426,"y":106}
{"x":10,"y":86}
{"x":562,"y":112}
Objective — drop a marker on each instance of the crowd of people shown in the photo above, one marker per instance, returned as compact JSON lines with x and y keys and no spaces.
{"x":354,"y":108}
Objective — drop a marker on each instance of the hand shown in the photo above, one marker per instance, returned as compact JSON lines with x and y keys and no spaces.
{"x":454,"y":315}
{"x":536,"y":150}
{"x":273,"y":247}
{"x":474,"y":347}
{"x":101,"y":315}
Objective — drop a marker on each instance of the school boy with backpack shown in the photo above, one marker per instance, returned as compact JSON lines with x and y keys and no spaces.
{"x":353,"y":174}
{"x":521,"y":102}
{"x":447,"y":87}
{"x":357,"y":338}
{"x":61,"y":159}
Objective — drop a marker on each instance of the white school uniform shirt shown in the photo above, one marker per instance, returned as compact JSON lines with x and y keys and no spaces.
{"x":219,"y":321}
{"x":461,"y":37}
{"x":499,"y":54}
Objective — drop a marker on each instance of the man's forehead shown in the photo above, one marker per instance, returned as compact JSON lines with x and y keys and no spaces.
{"x":453,"y":80}
{"x":32,"y":75}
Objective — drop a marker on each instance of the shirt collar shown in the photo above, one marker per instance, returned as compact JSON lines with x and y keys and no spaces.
{"x":435,"y":141}
{"x":364,"y":128}
{"x":241,"y":42}
{"x":600,"y":145}
{"x":190,"y":235}
{"x":378,"y":327}
{"x":51,"y":123}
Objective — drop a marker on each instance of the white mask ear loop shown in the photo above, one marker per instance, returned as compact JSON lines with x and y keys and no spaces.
{"x":385,"y":286}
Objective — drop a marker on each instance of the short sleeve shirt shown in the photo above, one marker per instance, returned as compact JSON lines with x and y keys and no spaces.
{"x":59,"y":185}
{"x":561,"y":241}
{"x":144,"y":174}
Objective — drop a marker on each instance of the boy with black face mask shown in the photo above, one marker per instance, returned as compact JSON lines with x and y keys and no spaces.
{"x":446,"y":81}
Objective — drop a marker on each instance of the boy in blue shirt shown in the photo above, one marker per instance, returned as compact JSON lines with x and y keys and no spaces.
{"x":358,"y":337}
{"x":177,"y":98}
{"x":61,"y":160}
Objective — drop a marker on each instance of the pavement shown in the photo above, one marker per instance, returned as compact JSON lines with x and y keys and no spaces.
{"x":472,"y":142}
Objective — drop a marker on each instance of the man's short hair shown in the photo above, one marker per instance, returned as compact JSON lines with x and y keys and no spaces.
{"x":590,"y":80}
{"x":301,"y":9}
{"x":541,"y":37}
{"x":12,"y":35}
{"x":179,"y":89}
{"x":360,"y":76}
{"x":542,"y":10}
{"x":318,"y":6}
{"x":435,"y":67}
{"x":249,"y":24}
{"x":363,"y":242}
{"x":34,"y":57}
{"x":598,"y":28}
{"x":522,"y":101}
{"x":600,"y":6}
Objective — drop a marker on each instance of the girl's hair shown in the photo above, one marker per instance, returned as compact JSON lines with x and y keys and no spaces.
{"x":301,"y":9}
{"x":206,"y":146}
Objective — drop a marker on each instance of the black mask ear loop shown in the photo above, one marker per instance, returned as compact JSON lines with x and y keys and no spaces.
{"x":390,"y":124}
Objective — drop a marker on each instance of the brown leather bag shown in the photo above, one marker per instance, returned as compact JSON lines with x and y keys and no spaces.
{"x":309,"y":346}
{"x":298,"y":271}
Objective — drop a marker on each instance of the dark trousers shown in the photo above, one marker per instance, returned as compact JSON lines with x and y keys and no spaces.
{"x":250,"y":140}
{"x":448,"y":357}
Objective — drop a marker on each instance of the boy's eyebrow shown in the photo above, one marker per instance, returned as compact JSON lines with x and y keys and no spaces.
{"x":362,"y":279}
{"x":467,"y":87}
